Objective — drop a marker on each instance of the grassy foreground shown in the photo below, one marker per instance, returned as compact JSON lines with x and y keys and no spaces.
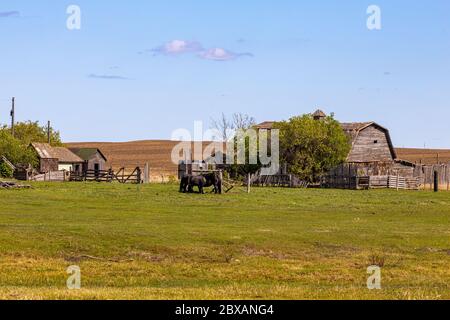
{"x":153,"y":243}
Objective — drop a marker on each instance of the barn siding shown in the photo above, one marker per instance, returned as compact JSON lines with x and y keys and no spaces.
{"x":97,"y":158}
{"x":366,"y":150}
{"x":47,"y":165}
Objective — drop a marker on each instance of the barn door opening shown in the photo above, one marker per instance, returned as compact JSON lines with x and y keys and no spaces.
{"x":97,"y":169}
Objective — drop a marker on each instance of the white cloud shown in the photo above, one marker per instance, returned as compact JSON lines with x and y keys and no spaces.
{"x":179,"y":47}
{"x":176,"y":47}
{"x":220,"y":54}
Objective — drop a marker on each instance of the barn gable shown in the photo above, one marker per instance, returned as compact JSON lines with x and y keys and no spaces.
{"x":370,"y":143}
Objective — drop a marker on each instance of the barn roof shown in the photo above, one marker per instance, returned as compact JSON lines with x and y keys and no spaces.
{"x":46,"y":151}
{"x":265,"y":125}
{"x":87,"y":153}
{"x":353,"y":129}
{"x":319,"y":114}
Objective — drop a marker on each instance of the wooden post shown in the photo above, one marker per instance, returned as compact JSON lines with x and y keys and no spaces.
{"x":398,"y":180}
{"x":147,"y":173}
{"x":138,"y":175}
{"x":248,"y":182}
{"x":13,"y":116}
{"x":48,"y":133}
{"x":436,"y":181}
{"x":447,"y":177}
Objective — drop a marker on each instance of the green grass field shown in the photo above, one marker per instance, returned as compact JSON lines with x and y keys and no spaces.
{"x":153,"y":243}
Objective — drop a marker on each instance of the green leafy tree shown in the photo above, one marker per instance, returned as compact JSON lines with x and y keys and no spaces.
{"x":28,"y":132}
{"x":311,"y":147}
{"x":5,"y":170}
{"x":14,"y":150}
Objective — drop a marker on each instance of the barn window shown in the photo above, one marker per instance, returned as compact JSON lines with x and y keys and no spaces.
{"x":376,"y":141}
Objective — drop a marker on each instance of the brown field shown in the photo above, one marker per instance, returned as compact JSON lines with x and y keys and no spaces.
{"x":427,"y":156}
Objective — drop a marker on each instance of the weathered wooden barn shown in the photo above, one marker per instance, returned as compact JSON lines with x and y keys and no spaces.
{"x":93,"y":159}
{"x":56,"y":158}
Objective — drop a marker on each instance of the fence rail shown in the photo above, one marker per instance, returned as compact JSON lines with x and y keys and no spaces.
{"x":279,"y":180}
{"x":109,"y":176}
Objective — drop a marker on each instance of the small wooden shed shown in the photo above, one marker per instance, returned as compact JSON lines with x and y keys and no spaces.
{"x":56,"y":158}
{"x":93,"y":158}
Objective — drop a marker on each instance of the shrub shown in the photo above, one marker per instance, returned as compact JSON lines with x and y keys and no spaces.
{"x":5,"y":171}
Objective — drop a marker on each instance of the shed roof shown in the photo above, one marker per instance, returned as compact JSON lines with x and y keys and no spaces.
{"x":87,"y":153}
{"x":46,"y":151}
{"x":267,"y":125}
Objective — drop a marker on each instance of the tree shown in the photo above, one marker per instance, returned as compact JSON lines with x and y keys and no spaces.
{"x":226,"y":126}
{"x":28,"y":132}
{"x":311,"y":147}
{"x":14,"y":150}
{"x":5,"y":170}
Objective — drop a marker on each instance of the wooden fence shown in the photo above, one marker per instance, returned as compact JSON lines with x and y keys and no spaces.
{"x":426,"y":175}
{"x":52,"y":176}
{"x":279,"y":180}
{"x":369,"y":176}
{"x":120,"y":176}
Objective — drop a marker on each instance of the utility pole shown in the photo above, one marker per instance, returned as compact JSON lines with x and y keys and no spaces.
{"x":48,"y":133}
{"x":12,"y":116}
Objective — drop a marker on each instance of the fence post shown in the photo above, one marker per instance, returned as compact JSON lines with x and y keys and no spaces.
{"x":248,"y":182}
{"x":436,"y":181}
{"x":398,"y":180}
{"x":139,"y":175}
{"x":448,"y":177}
{"x":147,"y":173}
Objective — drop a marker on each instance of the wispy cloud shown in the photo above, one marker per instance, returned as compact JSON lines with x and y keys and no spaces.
{"x":177,"y":47}
{"x":220,"y":54}
{"x":180,"y":47}
{"x":107,"y":77}
{"x":7,"y":14}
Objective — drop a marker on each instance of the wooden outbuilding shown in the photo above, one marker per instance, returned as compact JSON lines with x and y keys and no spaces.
{"x":93,"y":159}
{"x":56,"y":158}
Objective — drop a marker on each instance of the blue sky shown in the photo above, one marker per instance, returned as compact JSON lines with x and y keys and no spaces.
{"x":124,"y":77}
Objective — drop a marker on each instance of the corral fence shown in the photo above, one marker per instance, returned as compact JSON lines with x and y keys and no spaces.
{"x":426,"y":175}
{"x":362,"y":176}
{"x":134,"y":177}
{"x":93,"y":175}
{"x":121,"y":176}
{"x":278,"y":180}
{"x":52,"y":176}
